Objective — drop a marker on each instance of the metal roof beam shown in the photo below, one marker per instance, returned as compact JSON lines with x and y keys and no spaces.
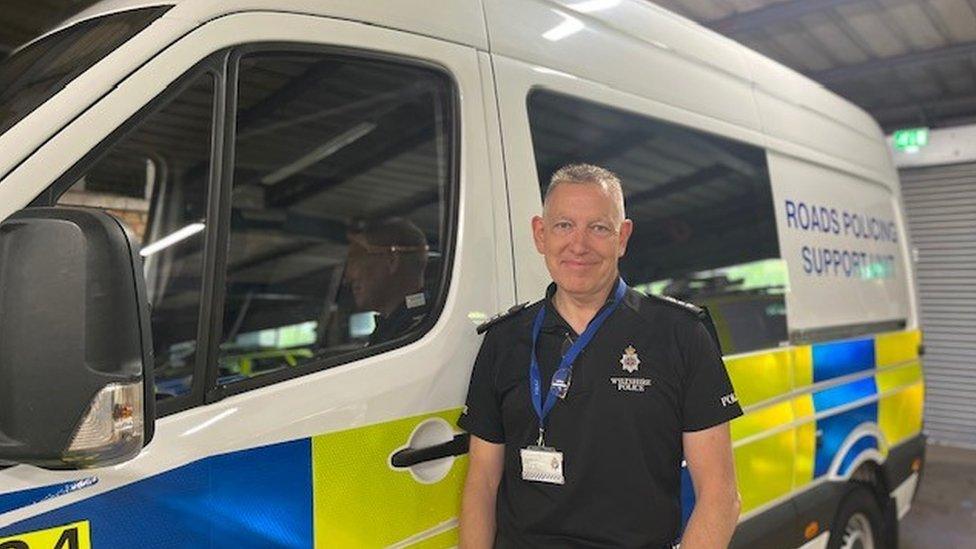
{"x":772,"y":14}
{"x":933,"y":111}
{"x":915,"y":58}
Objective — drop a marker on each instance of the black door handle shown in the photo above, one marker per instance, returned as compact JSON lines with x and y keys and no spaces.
{"x":408,"y":457}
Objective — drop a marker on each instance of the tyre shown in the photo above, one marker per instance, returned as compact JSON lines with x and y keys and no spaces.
{"x":858,"y":523}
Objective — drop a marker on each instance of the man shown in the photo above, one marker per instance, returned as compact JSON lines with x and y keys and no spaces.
{"x":582,"y":406}
{"x":385,"y":271}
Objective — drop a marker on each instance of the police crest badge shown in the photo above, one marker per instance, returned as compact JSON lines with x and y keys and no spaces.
{"x":629,"y":360}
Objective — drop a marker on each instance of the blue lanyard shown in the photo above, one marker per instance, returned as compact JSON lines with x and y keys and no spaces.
{"x":560,"y":379}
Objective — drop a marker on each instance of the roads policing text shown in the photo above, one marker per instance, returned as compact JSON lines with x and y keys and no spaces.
{"x":847,"y":261}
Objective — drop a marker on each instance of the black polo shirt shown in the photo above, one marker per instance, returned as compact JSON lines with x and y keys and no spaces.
{"x":619,"y":428}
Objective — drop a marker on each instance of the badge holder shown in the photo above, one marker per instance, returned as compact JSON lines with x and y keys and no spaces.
{"x":541,"y":463}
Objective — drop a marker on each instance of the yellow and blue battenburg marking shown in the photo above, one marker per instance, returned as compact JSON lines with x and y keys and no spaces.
{"x":337,"y":490}
{"x":330,"y":490}
{"x":808,"y":403}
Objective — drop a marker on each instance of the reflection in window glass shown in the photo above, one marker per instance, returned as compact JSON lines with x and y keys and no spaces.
{"x":338,"y":208}
{"x":768,"y":274}
{"x":155,"y":180}
{"x":704,"y":228}
{"x":35,"y":73}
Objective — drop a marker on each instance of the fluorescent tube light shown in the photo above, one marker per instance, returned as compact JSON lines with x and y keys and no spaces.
{"x":327,"y":149}
{"x":173,"y":238}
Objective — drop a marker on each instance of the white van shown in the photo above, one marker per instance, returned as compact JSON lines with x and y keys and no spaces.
{"x":314,"y":203}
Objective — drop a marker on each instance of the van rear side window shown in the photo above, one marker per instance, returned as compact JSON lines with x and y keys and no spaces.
{"x":704,"y":225}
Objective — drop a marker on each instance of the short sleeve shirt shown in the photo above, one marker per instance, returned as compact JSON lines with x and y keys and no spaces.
{"x":651,"y":373}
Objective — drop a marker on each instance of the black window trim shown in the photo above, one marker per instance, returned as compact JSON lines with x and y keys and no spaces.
{"x":824,"y":334}
{"x":214,"y":66}
{"x":215,"y":391}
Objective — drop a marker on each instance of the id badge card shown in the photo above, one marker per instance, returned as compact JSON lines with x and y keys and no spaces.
{"x":542,"y":464}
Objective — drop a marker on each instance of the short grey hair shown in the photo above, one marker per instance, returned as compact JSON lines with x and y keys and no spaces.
{"x":588,"y":174}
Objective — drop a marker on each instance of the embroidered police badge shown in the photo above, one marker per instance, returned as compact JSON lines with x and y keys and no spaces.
{"x":629,"y":360}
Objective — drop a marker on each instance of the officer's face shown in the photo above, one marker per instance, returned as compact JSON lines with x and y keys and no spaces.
{"x":582,"y":237}
{"x":367,"y":275}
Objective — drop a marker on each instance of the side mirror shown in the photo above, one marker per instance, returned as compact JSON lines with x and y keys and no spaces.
{"x":75,"y":345}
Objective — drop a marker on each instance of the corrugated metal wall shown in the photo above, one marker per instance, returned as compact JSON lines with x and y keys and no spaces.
{"x":941,"y":208}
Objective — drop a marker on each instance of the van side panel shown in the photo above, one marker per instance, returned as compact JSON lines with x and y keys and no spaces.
{"x":329,"y":490}
{"x":848,"y":401}
{"x":591,"y":46}
{"x":252,"y":498}
{"x":689,"y":67}
{"x":901,"y":385}
{"x":843,"y":247}
{"x":795,"y":109}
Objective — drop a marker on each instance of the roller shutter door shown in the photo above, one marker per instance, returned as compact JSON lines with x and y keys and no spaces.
{"x":941,"y":206}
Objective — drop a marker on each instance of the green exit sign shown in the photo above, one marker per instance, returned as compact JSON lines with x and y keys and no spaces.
{"x":911,"y":139}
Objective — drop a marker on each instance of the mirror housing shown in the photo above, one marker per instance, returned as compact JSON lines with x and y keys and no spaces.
{"x":76,"y":374}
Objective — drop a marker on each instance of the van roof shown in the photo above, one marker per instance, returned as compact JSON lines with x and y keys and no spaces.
{"x":639,"y":48}
{"x":787,"y":106}
{"x":458,"y":21}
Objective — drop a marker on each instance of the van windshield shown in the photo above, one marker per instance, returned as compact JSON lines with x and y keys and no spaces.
{"x":33,"y":74}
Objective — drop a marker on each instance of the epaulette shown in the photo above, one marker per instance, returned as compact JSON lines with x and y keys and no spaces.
{"x":690,"y":307}
{"x":500,"y":317}
{"x":700,"y":312}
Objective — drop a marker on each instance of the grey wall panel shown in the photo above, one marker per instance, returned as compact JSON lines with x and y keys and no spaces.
{"x":940,"y":202}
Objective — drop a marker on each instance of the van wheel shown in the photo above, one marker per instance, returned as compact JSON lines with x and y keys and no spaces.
{"x":858,"y":523}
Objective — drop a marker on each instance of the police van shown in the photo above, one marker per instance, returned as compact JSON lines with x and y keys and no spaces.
{"x":246,"y":243}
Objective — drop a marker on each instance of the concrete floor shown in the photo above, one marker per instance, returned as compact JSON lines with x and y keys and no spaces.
{"x":944,"y":512}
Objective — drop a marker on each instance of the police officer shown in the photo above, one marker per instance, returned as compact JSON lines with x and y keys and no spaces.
{"x":385,"y":271}
{"x":582,"y":406}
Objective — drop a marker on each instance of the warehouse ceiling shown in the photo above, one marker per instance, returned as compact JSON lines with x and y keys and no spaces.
{"x":907,"y":62}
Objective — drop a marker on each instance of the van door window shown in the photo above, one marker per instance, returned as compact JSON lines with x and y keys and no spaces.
{"x":339,"y":210}
{"x":704,"y":227}
{"x":155,"y":179}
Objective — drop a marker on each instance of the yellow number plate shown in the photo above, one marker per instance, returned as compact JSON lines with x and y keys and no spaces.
{"x":68,"y":536}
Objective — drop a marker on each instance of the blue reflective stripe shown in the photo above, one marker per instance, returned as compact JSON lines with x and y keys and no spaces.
{"x":23,"y":498}
{"x":261,"y":497}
